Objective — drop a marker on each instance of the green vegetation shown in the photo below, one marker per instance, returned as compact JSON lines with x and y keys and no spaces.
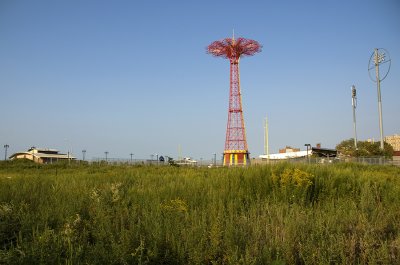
{"x":364,"y":149}
{"x":280,"y":214}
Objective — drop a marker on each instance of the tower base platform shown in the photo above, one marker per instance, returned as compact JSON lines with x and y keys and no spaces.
{"x":236,"y":158}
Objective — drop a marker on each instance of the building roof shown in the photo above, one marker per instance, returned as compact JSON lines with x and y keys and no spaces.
{"x":324,"y":152}
{"x":286,"y":155}
{"x":20,"y":153}
{"x":57,"y":156}
{"x":42,"y":155}
{"x":43,"y":150}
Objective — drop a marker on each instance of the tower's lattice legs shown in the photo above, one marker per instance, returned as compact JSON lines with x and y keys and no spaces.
{"x":236,"y":150}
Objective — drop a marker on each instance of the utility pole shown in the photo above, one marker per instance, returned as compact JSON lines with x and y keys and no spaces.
{"x":106,"y":153}
{"x":266,"y":140}
{"x":83,"y":155}
{"x":179,"y":152}
{"x":354,"y":105}
{"x":68,"y":154}
{"x":308,"y":147}
{"x":6,"y":146}
{"x":131,"y":157}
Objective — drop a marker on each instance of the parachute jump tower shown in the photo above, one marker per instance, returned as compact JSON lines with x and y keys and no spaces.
{"x":236,"y":151}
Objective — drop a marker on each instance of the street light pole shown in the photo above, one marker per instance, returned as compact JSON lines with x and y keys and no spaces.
{"x":131,"y":157}
{"x":308,"y":158}
{"x":106,"y":153}
{"x":6,"y":146}
{"x":83,"y":155}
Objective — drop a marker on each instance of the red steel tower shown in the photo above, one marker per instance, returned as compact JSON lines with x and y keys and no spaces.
{"x":236,"y":151}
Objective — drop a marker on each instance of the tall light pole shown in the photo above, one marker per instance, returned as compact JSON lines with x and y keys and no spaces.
{"x":378,"y":58}
{"x":308,"y":146}
{"x":6,"y":146}
{"x":106,"y":153}
{"x":131,"y":157}
{"x":83,"y":155}
{"x":354,"y":104}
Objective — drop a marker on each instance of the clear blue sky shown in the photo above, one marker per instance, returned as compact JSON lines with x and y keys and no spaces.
{"x":133,"y":76}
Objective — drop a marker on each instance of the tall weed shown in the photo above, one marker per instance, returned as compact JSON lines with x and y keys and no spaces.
{"x":279,"y":214}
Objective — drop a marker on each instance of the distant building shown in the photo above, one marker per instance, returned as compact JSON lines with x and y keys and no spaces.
{"x":291,"y":153}
{"x":289,"y":149}
{"x":187,"y":161}
{"x":42,"y":156}
{"x":287,"y":153}
{"x":394,"y":141}
{"x":324,"y":152}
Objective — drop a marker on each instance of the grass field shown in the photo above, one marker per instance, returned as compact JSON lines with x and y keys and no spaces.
{"x":280,"y":214}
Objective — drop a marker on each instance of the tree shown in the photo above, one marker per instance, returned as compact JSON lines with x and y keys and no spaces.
{"x":364,"y":149}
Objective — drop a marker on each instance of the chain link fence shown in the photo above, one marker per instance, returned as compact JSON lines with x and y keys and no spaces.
{"x":324,"y":160}
{"x":255,"y":161}
{"x":122,"y":161}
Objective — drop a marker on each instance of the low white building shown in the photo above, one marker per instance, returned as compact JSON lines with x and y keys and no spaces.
{"x":186,"y":161}
{"x":287,"y":155}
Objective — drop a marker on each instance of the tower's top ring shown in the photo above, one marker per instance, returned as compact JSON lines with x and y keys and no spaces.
{"x":231,"y":48}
